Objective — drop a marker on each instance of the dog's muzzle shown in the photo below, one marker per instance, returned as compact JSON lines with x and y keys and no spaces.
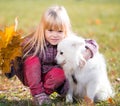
{"x":63,"y":63}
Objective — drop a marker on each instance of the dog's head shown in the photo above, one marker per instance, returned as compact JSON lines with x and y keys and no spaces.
{"x":69,"y":50}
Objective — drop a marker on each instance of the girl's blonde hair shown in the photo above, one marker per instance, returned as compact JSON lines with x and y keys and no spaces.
{"x":55,"y":18}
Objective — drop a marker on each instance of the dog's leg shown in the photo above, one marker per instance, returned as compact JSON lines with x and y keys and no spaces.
{"x":69,"y":96}
{"x":91,"y":90}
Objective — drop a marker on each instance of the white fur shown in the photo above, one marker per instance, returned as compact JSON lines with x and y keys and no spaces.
{"x":92,"y":79}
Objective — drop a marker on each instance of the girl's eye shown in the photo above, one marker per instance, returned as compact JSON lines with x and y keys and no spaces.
{"x":61,"y":53}
{"x":50,"y":30}
{"x":60,"y":31}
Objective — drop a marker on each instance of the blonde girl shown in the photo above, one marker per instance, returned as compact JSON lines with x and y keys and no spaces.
{"x":54,"y":19}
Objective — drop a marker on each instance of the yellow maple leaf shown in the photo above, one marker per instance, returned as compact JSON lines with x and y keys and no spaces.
{"x":7,"y":34}
{"x":10,"y":47}
{"x":6,"y":66}
{"x":1,"y":38}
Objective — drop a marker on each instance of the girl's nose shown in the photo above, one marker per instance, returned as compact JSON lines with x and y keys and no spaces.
{"x":55,"y":34}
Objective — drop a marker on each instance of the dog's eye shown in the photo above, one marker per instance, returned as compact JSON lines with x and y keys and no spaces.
{"x":61,"y":53}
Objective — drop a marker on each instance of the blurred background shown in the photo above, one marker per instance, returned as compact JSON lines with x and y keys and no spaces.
{"x":94,"y":19}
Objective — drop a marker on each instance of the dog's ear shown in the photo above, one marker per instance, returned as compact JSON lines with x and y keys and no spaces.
{"x":81,"y":62}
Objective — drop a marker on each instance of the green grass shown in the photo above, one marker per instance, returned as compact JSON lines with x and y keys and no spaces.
{"x":95,"y":19}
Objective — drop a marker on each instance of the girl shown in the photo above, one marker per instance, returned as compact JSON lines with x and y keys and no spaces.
{"x":41,"y":73}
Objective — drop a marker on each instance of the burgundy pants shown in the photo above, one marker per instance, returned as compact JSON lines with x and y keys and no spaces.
{"x":39,"y":82}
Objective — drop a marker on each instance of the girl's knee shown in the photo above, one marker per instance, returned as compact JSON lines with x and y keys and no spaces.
{"x":57,"y":74}
{"x":54,"y":78}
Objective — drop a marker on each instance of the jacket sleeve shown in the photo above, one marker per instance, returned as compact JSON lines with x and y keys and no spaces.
{"x":92,"y":45}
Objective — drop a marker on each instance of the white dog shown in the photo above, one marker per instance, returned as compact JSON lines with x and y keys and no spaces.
{"x":91,"y":80}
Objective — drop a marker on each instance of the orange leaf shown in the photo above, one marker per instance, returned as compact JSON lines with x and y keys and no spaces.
{"x":110,"y":100}
{"x":88,"y":101}
{"x":97,"y":21}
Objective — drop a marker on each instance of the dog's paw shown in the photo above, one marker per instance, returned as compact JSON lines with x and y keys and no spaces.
{"x":69,"y":99}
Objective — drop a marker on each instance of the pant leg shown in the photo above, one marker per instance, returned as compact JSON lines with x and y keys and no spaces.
{"x":32,"y":75}
{"x":53,"y":79}
{"x":63,"y":89}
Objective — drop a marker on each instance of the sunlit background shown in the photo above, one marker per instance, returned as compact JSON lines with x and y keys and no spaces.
{"x":94,"y":19}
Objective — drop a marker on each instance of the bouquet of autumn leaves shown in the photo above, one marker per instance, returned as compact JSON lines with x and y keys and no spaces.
{"x":10,"y":48}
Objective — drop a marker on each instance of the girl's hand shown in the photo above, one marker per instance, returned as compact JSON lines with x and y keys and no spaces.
{"x":87,"y":54}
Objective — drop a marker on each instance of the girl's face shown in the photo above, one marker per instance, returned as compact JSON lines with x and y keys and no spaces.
{"x":53,"y":36}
